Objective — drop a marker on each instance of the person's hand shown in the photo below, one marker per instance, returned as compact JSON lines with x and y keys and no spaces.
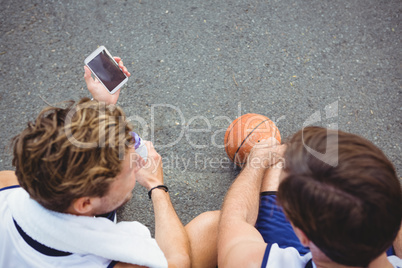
{"x":151,"y":174}
{"x":96,"y":88}
{"x":266,"y":153}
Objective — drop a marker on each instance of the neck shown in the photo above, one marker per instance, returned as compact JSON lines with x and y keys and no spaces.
{"x":322,"y":261}
{"x":381,"y":261}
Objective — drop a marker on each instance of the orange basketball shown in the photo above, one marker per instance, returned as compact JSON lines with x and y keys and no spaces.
{"x":245,"y":132}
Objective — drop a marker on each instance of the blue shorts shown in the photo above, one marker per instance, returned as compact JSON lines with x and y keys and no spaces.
{"x":273,"y":225}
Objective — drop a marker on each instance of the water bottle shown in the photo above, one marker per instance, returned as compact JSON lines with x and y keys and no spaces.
{"x":139,"y":146}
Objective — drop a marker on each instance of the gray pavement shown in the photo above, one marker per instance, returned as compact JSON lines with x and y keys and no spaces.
{"x":197,"y":65}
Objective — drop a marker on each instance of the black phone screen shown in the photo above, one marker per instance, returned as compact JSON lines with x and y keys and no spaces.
{"x":107,"y":70}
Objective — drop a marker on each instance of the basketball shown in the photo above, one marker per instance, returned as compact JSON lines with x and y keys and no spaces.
{"x":245,"y":132}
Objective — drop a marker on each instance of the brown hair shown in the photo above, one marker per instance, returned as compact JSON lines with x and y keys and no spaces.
{"x":71,"y":153}
{"x":352,"y":210}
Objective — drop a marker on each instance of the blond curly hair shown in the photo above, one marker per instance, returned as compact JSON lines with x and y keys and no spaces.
{"x":71,"y":153}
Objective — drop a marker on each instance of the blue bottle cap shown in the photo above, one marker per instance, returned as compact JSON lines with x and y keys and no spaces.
{"x":137,"y":140}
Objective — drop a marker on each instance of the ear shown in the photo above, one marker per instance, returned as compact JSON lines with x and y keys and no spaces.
{"x":304,"y":240}
{"x":83,"y":206}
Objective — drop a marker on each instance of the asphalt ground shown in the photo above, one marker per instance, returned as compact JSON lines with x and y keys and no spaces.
{"x":197,"y":65}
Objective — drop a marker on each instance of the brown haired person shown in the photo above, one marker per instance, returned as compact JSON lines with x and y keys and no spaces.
{"x":74,"y":164}
{"x":344,"y":204}
{"x":339,"y":192}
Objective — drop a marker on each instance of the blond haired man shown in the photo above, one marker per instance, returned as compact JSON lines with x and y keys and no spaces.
{"x":74,"y":167}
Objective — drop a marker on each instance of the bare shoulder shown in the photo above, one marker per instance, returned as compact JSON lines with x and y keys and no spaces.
{"x":8,"y":178}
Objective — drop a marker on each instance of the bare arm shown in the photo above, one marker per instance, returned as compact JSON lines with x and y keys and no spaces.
{"x":272,"y":178}
{"x":239,"y":243}
{"x":8,"y":178}
{"x":169,"y":231}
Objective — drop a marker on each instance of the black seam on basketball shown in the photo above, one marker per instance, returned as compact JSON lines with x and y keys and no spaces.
{"x":234,"y":157}
{"x":238,"y":119}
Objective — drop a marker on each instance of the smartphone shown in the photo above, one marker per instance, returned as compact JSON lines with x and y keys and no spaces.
{"x":106,"y":69}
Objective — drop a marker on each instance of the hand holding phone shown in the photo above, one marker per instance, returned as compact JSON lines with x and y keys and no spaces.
{"x":110,"y":75}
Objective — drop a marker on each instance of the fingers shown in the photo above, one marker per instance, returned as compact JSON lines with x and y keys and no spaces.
{"x":87,"y":72}
{"x":124,"y":69}
{"x":281,"y":149}
{"x":151,"y":174}
{"x":88,"y":78}
{"x":266,"y":153}
{"x":270,"y":142}
{"x":150,"y":147}
{"x":277,"y":149}
{"x":263,"y":146}
{"x":152,"y":153}
{"x":121,"y":65}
